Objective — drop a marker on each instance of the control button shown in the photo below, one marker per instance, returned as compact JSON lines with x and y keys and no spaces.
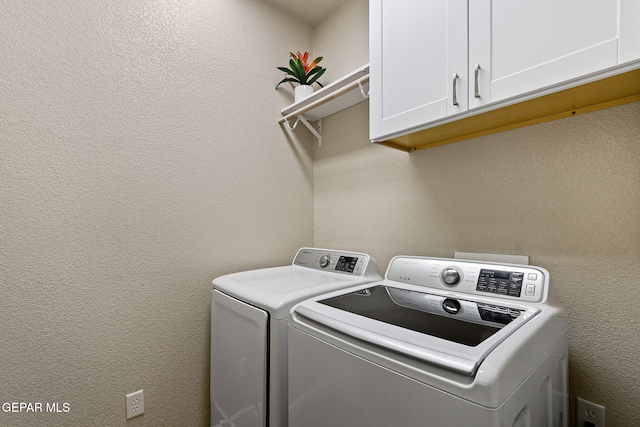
{"x":451,"y":306}
{"x":450,"y":276}
{"x":532,"y":276}
{"x":324,"y":261}
{"x":530,"y":290}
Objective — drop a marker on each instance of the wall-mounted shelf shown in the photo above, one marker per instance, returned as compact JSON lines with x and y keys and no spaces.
{"x":343,"y":93}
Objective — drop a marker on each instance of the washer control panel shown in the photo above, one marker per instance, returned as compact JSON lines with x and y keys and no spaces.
{"x":500,"y":282}
{"x":508,"y":281}
{"x":351,"y":263}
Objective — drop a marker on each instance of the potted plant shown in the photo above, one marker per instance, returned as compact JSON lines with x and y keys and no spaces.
{"x":302,"y":72}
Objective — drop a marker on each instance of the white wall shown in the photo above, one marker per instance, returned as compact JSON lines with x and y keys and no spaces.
{"x":566,"y":193}
{"x":140,"y":157}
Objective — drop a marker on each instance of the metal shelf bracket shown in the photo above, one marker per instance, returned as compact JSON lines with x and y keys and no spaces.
{"x":316,"y":133}
{"x":364,"y":95}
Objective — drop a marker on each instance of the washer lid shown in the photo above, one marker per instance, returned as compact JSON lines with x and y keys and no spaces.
{"x":437,"y":328}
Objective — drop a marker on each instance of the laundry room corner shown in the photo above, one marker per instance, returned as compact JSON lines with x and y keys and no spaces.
{"x":144,"y":167}
{"x":565,"y":193}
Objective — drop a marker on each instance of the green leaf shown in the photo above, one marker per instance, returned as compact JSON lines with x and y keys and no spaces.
{"x":298,"y":70}
{"x":285,"y":70}
{"x":317,"y":76}
{"x":288,"y":79}
{"x":315,"y":70}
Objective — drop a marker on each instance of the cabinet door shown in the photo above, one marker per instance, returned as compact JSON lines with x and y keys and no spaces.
{"x":516,"y":47}
{"x":629,"y":31}
{"x":416,"y":47}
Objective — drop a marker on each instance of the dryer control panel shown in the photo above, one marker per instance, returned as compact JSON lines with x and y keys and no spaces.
{"x":509,"y":281}
{"x":351,"y":263}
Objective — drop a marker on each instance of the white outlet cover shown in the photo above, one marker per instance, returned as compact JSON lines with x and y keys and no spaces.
{"x":135,"y":403}
{"x":589,"y":411}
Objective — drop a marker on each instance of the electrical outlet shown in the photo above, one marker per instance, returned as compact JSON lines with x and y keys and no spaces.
{"x":589,"y":414}
{"x":135,"y":404}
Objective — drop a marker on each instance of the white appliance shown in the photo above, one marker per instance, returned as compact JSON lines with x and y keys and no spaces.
{"x":249,"y":312}
{"x":438,"y":343}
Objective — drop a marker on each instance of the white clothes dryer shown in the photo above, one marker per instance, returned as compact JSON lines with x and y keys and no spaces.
{"x":249,"y":313}
{"x":438,"y":343}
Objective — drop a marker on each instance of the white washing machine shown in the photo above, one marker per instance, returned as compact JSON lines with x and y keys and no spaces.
{"x":249,"y":313}
{"x":438,"y":343}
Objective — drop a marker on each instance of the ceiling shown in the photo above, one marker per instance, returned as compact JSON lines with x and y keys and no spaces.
{"x":310,"y":11}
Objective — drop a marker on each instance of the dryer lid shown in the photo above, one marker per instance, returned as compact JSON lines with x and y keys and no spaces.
{"x":314,"y":271}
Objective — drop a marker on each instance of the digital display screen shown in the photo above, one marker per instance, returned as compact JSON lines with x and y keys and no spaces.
{"x":502,"y":274}
{"x":500,"y":282}
{"x":346,"y":263}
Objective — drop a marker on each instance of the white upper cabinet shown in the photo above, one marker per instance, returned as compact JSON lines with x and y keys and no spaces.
{"x":436,"y":61}
{"x":521,"y":46}
{"x":629,"y":30}
{"x":418,"y":62}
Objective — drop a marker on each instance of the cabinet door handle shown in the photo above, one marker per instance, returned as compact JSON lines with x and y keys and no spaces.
{"x":455,"y":92}
{"x":477,"y":89}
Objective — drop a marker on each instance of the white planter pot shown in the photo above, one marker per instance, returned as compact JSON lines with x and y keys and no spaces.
{"x":302,"y":92}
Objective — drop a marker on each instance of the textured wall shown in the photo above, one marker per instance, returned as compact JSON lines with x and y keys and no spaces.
{"x":140,"y":157}
{"x":343,"y":39}
{"x":566,"y":193}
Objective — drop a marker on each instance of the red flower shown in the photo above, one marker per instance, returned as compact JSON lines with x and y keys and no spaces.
{"x":304,"y":57}
{"x":301,"y":71}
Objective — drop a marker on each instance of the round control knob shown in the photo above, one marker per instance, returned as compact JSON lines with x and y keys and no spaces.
{"x":324,"y":261}
{"x":450,"y":276}
{"x":451,"y":306}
